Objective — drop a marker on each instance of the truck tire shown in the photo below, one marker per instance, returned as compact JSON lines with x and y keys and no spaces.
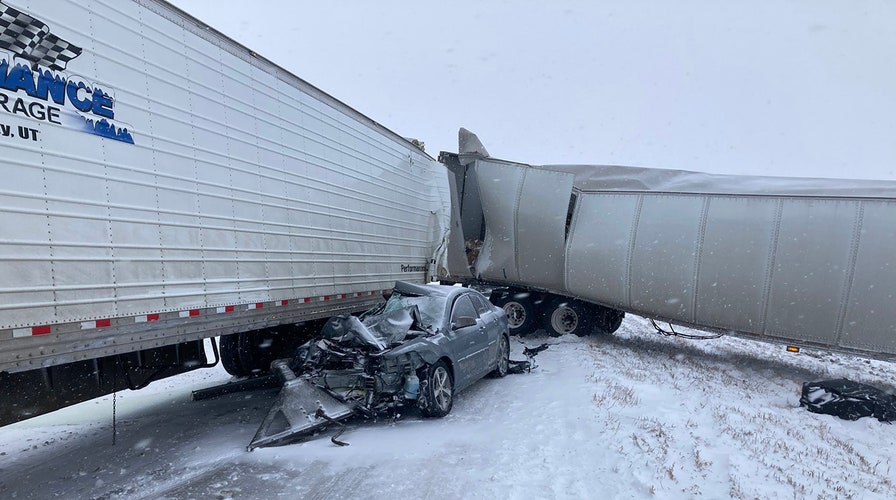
{"x":564,"y":315}
{"x":607,"y":320}
{"x":247,"y":354}
{"x":437,"y":393}
{"x":229,"y":346}
{"x":251,"y":353}
{"x":522,"y":315}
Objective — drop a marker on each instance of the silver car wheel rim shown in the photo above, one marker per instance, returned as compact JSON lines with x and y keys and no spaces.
{"x":441,"y":388}
{"x":503,"y":360}
{"x":516,"y":314}
{"x":564,"y":320}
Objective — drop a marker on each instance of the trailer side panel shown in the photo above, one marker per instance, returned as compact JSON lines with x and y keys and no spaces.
{"x":174,"y":175}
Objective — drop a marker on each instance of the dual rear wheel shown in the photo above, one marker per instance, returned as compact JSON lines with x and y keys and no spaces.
{"x":565,"y":315}
{"x":557,"y":315}
{"x":520,"y":308}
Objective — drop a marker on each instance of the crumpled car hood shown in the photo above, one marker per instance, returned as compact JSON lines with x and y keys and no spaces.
{"x":379,"y":332}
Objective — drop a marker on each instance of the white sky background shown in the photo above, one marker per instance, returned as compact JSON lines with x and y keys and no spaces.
{"x":804,"y":88}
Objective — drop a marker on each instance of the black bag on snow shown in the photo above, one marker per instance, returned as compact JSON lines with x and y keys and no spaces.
{"x":848,"y":400}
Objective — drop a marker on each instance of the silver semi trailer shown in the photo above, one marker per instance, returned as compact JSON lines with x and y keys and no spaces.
{"x":164,"y":184}
{"x":807,"y":261}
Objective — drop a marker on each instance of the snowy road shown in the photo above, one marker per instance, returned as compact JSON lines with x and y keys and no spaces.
{"x":635,"y":415}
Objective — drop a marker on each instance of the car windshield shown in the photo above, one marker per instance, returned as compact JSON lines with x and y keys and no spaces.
{"x":431,"y":308}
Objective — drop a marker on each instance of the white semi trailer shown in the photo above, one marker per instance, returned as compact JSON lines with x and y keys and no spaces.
{"x":166,"y":185}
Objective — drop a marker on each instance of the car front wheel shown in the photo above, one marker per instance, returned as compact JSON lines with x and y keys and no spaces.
{"x":503,"y":357}
{"x":438,"y":395}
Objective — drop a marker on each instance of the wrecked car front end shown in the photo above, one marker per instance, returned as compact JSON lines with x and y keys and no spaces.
{"x":367,"y":366}
{"x":370,"y":362}
{"x":416,"y":350}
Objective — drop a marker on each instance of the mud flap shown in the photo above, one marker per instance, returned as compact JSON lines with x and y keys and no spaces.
{"x":301,"y":408}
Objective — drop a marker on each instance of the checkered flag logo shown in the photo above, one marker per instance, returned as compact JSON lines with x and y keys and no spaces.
{"x":31,"y":39}
{"x":20,"y":32}
{"x":54,"y":52}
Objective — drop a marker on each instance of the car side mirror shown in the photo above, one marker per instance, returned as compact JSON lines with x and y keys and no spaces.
{"x":463,"y":322}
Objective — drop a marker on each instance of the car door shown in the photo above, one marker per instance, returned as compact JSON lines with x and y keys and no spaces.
{"x":466,"y":341}
{"x":492,"y":330}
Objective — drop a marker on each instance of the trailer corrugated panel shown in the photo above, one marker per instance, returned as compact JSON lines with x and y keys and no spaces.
{"x":213,"y":179}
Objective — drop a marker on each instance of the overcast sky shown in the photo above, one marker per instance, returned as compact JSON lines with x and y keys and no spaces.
{"x":803,"y":88}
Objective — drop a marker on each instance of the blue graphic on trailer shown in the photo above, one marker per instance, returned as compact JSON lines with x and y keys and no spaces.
{"x":105,"y":129}
{"x":38,"y":90}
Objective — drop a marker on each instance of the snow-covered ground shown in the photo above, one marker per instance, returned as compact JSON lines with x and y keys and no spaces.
{"x":633,"y":415}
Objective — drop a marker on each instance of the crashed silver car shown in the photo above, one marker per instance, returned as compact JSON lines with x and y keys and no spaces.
{"x":419,"y":348}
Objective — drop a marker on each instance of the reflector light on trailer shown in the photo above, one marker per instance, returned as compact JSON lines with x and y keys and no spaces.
{"x":225,"y":309}
{"x":100,"y":323}
{"x":792,"y":348}
{"x":28,"y":332}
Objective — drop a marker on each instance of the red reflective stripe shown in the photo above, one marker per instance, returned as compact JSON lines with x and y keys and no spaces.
{"x":106,"y":323}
